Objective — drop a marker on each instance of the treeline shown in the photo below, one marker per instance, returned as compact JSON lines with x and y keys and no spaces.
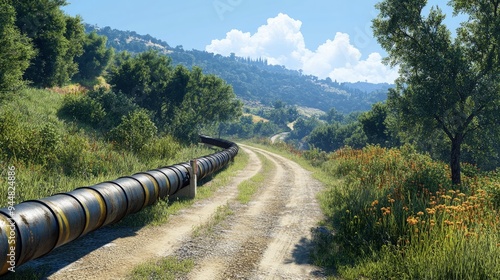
{"x":43,"y":47}
{"x":254,"y":79}
{"x":382,"y":127}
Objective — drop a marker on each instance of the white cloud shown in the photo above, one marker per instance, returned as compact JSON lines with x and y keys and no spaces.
{"x":281,"y":42}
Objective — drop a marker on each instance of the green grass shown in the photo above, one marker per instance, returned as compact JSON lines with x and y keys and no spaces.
{"x":248,"y":188}
{"x":165,"y":268}
{"x":219,"y":216}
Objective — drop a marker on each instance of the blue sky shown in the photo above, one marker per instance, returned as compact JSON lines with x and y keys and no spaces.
{"x":326,"y":38}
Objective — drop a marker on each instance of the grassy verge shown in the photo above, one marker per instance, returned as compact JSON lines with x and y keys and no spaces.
{"x":165,"y":268}
{"x":160,"y":212}
{"x":219,"y":216}
{"x":248,"y":188}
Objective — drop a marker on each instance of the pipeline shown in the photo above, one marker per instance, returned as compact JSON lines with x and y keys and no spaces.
{"x":36,"y":227}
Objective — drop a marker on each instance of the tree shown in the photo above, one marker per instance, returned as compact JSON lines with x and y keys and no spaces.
{"x":181,"y":101}
{"x":95,"y":58}
{"x":145,"y":79}
{"x":15,"y":49}
{"x":303,"y":127}
{"x":374,"y":126}
{"x":334,"y":116}
{"x":56,"y":37}
{"x":208,"y":100}
{"x":73,"y":39}
{"x":135,"y":131}
{"x":449,"y":84}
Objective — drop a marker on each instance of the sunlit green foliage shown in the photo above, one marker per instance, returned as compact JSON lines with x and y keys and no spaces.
{"x":181,"y":102}
{"x":56,"y":37}
{"x":396,"y":214}
{"x":447,"y":83}
{"x":95,"y":58}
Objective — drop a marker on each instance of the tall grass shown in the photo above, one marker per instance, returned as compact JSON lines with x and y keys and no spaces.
{"x":395,"y":215}
{"x":51,"y":155}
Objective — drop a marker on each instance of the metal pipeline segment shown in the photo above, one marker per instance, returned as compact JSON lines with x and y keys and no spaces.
{"x":36,"y":227}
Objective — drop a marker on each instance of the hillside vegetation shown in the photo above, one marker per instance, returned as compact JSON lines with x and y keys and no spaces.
{"x":72,"y":113}
{"x":256,"y":80}
{"x":52,"y":155}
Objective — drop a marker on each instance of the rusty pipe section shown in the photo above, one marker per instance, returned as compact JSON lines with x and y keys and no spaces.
{"x":36,"y":227}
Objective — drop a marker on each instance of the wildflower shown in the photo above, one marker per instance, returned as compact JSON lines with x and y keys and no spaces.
{"x":430,"y":211}
{"x":412,"y":221}
{"x":374,"y":203}
{"x":420,"y":213}
{"x":391,"y":201}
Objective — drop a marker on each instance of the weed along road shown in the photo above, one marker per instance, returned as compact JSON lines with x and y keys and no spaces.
{"x":257,"y":225}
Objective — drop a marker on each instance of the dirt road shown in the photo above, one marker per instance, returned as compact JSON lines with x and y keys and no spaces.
{"x":268,"y":238}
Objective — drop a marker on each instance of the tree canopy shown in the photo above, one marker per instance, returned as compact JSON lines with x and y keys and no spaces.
{"x":181,"y":101}
{"x":15,"y":49}
{"x":57,"y":38}
{"x":446,"y":83}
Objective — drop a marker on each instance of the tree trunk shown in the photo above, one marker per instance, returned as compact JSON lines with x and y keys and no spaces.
{"x":455,"y":160}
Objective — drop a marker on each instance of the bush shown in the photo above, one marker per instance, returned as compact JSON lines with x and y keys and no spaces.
{"x":116,"y":106}
{"x":83,"y":109}
{"x":134,"y":131}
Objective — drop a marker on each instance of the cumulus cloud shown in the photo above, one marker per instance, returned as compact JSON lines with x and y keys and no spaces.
{"x":281,"y":42}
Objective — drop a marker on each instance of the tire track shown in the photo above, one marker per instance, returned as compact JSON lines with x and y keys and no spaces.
{"x":269,"y":237}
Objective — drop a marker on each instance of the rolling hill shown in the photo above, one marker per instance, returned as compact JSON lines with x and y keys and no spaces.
{"x":256,"y":81}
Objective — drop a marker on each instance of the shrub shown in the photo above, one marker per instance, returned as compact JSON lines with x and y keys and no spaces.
{"x":83,"y":109}
{"x":115,"y":105}
{"x":134,"y":131}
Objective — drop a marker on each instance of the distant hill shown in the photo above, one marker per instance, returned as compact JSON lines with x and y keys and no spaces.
{"x":256,"y":80}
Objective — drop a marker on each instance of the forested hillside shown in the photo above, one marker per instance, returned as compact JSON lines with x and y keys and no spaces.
{"x":256,"y":80}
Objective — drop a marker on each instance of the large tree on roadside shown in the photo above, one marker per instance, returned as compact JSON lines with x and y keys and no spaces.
{"x":446,"y":83}
{"x":15,"y":49}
